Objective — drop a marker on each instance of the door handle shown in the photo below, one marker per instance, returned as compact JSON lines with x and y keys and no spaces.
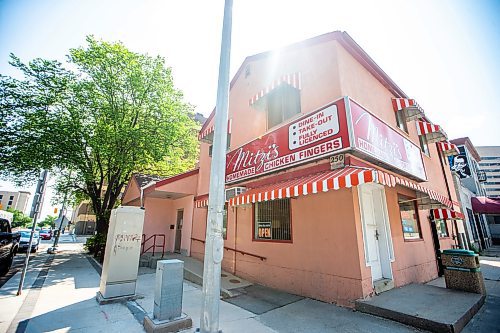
{"x":376,"y":234}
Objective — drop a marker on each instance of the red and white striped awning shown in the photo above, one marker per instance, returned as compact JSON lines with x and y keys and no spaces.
{"x":433,"y":133}
{"x":446,"y":214}
{"x":448,"y":148}
{"x":201,"y":201}
{"x":293,"y":80}
{"x":332,"y":180}
{"x":207,"y":135}
{"x":409,"y":106}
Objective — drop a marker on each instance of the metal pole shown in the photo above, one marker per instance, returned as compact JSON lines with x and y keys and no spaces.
{"x":61,"y":216}
{"x":214,"y":243}
{"x":40,"y":187}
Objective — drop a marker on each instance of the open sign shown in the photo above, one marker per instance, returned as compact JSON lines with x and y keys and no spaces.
{"x":264,"y":230}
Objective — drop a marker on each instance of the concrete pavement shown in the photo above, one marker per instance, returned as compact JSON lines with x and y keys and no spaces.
{"x":61,"y":288}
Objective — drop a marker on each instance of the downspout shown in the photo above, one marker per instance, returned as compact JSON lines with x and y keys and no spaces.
{"x":235,"y":236}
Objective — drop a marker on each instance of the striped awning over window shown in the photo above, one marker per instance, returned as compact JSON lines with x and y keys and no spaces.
{"x":201,"y":201}
{"x":207,"y":135}
{"x":293,"y":80}
{"x":446,"y":214}
{"x":409,"y":106}
{"x":331,"y":180}
{"x":433,"y":133}
{"x":448,"y":148}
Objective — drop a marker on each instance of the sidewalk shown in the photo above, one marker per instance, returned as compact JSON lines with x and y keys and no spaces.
{"x":60,"y":289}
{"x":64,"y":301}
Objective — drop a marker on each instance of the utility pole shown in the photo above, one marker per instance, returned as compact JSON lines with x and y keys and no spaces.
{"x":214,"y":243}
{"x":35,"y":209}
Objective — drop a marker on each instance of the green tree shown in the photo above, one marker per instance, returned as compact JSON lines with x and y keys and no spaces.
{"x":114,"y":112}
{"x":20,"y":220}
{"x":48,"y":222}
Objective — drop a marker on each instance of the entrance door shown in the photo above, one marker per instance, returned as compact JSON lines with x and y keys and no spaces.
{"x":376,"y":231}
{"x":178,"y":231}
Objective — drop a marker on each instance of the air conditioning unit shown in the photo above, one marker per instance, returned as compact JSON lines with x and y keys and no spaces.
{"x":234,"y":191}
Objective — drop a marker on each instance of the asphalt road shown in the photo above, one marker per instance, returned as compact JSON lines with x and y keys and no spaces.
{"x":18,"y":263}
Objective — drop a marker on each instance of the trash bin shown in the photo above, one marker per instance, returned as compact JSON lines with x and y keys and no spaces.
{"x":462,"y":271}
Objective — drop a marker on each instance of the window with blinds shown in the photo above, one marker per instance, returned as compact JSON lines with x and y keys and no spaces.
{"x":272,"y":220}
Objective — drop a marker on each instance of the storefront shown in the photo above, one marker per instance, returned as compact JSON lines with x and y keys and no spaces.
{"x":331,"y":176}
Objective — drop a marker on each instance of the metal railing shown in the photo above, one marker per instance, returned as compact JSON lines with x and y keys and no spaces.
{"x":235,"y":250}
{"x":154,"y":245}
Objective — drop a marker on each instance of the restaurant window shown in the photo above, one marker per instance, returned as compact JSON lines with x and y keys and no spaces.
{"x":424,"y":145}
{"x":282,"y":104}
{"x":401,"y":120}
{"x":272,"y":220}
{"x":441,"y":228}
{"x":409,"y":217}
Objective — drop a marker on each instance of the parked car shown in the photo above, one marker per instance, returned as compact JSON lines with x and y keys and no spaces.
{"x":9,"y":242}
{"x":46,"y":234}
{"x":25,"y":239}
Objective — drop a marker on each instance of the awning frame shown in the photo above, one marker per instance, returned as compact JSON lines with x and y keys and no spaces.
{"x":448,"y":148}
{"x":410,"y":108}
{"x":433,"y":133}
{"x":294,"y":80}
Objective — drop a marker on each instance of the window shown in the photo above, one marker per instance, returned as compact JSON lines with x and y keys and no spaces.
{"x":441,"y":228}
{"x":228,"y":143}
{"x":1,"y":197}
{"x":472,"y":223}
{"x":409,"y":217}
{"x":9,"y":203}
{"x":4,"y":226}
{"x":401,"y":120}
{"x":11,"y":197}
{"x":424,"y":145}
{"x":282,"y":104}
{"x":272,"y":220}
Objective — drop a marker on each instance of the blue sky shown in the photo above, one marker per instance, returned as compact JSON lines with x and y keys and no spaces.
{"x":445,"y":53}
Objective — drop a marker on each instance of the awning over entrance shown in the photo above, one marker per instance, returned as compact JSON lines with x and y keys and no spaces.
{"x":448,"y":148}
{"x":208,"y":134}
{"x":446,"y":214}
{"x":334,"y":180}
{"x":485,"y":205}
{"x":433,"y":133}
{"x":409,"y":106}
{"x":290,"y":79}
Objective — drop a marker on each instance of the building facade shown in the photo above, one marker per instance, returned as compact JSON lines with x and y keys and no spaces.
{"x":15,"y":200}
{"x":470,"y":184}
{"x":490,"y":164}
{"x":337,"y":183}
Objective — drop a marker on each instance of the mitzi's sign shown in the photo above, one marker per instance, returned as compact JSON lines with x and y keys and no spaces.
{"x":310,"y":137}
{"x":325,"y":132}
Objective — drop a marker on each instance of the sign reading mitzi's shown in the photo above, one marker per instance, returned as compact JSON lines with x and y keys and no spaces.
{"x":384,"y":144}
{"x":312,"y":136}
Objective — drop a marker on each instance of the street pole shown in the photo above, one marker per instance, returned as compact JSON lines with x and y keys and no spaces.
{"x":35,"y":207}
{"x":61,"y":216}
{"x":214,"y":243}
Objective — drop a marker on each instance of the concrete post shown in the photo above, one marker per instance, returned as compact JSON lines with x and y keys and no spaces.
{"x":167,"y":311}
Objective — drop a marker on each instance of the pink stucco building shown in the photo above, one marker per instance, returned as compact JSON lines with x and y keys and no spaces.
{"x":337,"y":182}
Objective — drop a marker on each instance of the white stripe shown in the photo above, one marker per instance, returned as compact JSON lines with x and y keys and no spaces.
{"x":325,"y":185}
{"x":314,"y":187}
{"x":287,"y":191}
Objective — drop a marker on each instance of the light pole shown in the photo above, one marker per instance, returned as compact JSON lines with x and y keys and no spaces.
{"x":214,"y":243}
{"x":35,"y":208}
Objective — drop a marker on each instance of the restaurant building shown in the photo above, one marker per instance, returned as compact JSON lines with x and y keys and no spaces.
{"x":337,"y":183}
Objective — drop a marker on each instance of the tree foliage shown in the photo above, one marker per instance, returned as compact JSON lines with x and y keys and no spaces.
{"x":20,"y":220}
{"x":114,"y":112}
{"x":48,"y":222}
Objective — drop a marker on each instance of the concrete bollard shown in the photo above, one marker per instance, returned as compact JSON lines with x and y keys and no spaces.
{"x":167,"y":312}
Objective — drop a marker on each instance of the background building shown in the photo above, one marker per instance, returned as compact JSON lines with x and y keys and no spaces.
{"x":15,"y":200}
{"x":470,"y":184}
{"x":490,"y":164}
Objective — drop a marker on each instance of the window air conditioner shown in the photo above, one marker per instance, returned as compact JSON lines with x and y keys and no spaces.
{"x":234,"y":191}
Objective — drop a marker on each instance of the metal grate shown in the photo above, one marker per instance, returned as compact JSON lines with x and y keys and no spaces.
{"x":272,"y":220}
